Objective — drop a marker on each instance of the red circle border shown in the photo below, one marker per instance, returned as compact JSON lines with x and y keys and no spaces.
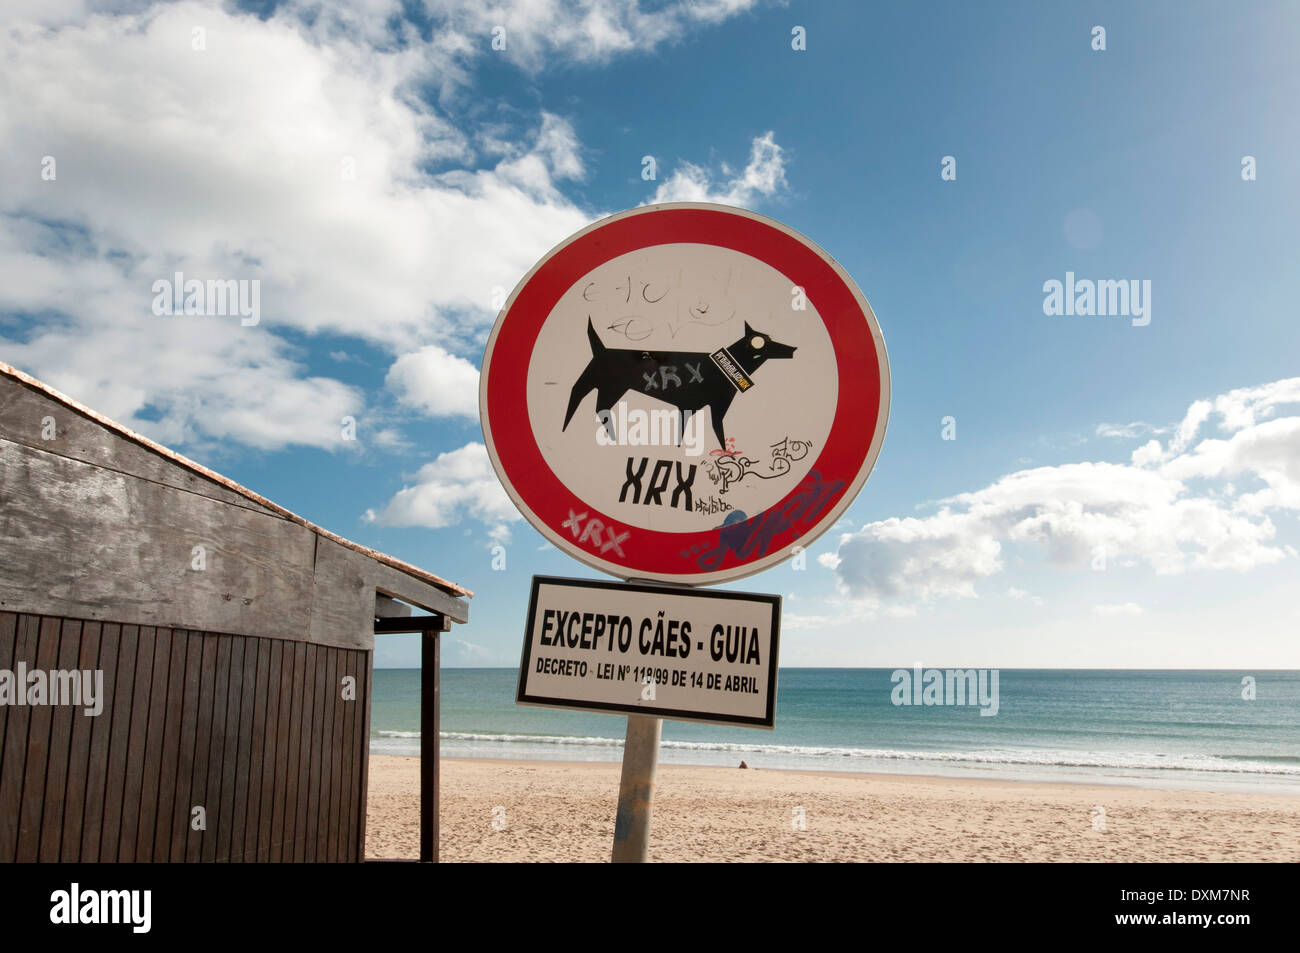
{"x":717,"y":550}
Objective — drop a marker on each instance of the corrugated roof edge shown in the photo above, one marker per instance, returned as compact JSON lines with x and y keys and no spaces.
{"x":414,"y":571}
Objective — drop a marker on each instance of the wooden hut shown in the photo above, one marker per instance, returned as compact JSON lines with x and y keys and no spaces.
{"x":235,"y":642}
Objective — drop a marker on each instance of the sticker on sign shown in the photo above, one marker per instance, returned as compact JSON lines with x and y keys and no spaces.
{"x":692,"y":655}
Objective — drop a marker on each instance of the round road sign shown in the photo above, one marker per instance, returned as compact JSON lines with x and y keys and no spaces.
{"x":684,"y":392}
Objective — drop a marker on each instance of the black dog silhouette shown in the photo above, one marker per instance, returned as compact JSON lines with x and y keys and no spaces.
{"x":689,"y":380}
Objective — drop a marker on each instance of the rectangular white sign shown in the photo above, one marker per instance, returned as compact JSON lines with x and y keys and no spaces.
{"x":694,"y":655}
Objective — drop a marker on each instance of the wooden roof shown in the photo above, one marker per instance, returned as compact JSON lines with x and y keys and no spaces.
{"x":415,"y":572}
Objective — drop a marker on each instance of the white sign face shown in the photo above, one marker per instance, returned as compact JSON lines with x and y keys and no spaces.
{"x":703,"y":655}
{"x":682,"y":302}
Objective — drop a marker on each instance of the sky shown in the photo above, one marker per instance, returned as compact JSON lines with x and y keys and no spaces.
{"x":1054,"y":490}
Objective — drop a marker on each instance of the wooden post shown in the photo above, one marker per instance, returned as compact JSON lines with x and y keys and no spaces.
{"x":429,"y":627}
{"x":429,"y":704}
{"x":636,"y":790}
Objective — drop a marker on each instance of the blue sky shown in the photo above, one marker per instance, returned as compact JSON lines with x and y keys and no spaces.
{"x":384,"y":172}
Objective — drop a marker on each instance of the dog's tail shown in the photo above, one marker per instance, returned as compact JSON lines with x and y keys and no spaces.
{"x":588,"y":379}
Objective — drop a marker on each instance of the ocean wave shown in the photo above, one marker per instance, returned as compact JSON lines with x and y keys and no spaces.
{"x":1124,"y":760}
{"x":536,"y":739}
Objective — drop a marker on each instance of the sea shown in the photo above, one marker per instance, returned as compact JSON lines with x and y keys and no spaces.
{"x":1176,"y":729}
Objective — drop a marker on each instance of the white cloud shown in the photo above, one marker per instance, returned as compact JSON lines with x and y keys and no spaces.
{"x":1135,"y":429}
{"x":1241,"y":408}
{"x":1196,"y":415}
{"x":912,"y":558}
{"x":233,"y":162}
{"x":1269,"y":451}
{"x":198,"y":381}
{"x":1147,"y":454}
{"x":438,"y":383}
{"x":763,"y":176}
{"x":558,"y":143}
{"x":1125,"y":608}
{"x":539,"y":32}
{"x":390,"y":439}
{"x":1153,"y":511}
{"x":454,"y":486}
{"x":299,"y":150}
{"x":843,"y":612}
{"x":1024,"y":595}
{"x":460,"y":653}
{"x":1262,"y":446}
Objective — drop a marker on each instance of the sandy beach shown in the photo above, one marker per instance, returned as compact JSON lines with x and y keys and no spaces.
{"x":551,"y":811}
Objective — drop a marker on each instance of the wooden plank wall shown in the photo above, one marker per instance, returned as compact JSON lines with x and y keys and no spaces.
{"x":254,"y":730}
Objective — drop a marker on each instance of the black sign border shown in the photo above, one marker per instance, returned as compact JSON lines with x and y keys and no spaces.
{"x":768,"y":721}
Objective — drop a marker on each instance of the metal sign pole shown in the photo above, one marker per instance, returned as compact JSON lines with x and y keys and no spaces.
{"x":636,"y":790}
{"x":636,"y":785}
